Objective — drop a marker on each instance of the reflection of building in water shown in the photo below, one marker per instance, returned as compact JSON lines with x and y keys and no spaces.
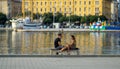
{"x":13,"y":41}
{"x":5,"y":41}
{"x":90,"y":42}
{"x":37,"y":42}
{"x":16,"y":43}
{"x":112,"y":45}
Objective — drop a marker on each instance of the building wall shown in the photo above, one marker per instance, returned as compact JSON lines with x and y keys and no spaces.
{"x":107,"y":8}
{"x":67,"y":7}
{"x":114,"y":10}
{"x":119,"y":8}
{"x":4,"y":8}
{"x":10,"y":7}
{"x":17,"y":8}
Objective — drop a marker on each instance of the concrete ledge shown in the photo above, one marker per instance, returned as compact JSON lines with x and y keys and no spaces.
{"x":56,"y":30}
{"x":68,"y":30}
{"x":59,"y":55}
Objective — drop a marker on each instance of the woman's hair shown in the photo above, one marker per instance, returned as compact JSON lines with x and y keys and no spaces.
{"x":73,"y":37}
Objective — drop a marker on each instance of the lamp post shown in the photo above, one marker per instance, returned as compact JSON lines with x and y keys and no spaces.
{"x":69,"y":16}
{"x":54,"y":10}
{"x":54,"y":15}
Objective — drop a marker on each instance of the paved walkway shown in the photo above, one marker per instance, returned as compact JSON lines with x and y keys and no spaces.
{"x":59,"y":63}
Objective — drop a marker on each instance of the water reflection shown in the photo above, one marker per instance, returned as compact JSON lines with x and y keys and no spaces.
{"x":90,"y":43}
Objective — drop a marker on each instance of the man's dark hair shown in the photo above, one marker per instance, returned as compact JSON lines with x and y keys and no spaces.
{"x":59,"y":34}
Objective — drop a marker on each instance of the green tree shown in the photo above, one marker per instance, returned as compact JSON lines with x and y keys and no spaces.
{"x":27,"y":13}
{"x":48,"y":18}
{"x":63,"y":19}
{"x":83,"y":19}
{"x":36,"y":16}
{"x":47,"y":21}
{"x":57,"y":16}
{"x":48,"y":15}
{"x":74,"y":18}
{"x":93,"y":18}
{"x":3,"y":18}
{"x":103,"y":18}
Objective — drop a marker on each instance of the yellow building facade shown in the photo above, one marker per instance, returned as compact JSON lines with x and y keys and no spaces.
{"x":66,"y":7}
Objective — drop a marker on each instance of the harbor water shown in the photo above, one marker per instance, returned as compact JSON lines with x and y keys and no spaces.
{"x":40,"y":43}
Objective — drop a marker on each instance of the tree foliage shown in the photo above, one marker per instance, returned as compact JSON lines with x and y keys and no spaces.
{"x":63,"y":19}
{"x":36,"y":16}
{"x":74,"y":18}
{"x":57,"y":16}
{"x":48,"y":18}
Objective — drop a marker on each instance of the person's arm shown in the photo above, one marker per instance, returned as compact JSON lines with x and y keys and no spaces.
{"x":59,"y":42}
{"x":71,"y":42}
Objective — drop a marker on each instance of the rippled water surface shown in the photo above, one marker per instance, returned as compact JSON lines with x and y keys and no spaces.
{"x":40,"y":43}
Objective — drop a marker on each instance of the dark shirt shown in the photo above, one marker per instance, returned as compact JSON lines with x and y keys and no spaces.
{"x":56,"y":42}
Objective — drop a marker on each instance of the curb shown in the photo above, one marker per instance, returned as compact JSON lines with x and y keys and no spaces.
{"x":59,"y":55}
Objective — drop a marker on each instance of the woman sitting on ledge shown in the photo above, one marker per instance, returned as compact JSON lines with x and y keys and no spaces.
{"x":68,"y":46}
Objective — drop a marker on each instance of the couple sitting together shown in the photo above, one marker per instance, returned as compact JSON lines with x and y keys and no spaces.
{"x":68,"y":46}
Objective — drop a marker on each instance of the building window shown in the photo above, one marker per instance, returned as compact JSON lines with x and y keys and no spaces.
{"x":26,"y":3}
{"x":89,"y":10}
{"x":45,"y":9}
{"x":84,"y":9}
{"x":80,"y":2}
{"x":60,"y":10}
{"x":70,"y":9}
{"x":50,"y":9}
{"x":41,"y":3}
{"x":61,"y":3}
{"x":97,"y":10}
{"x":65,"y":9}
{"x":84,"y":2}
{"x":55,"y":3}
{"x":45,"y":3}
{"x":41,"y":9}
{"x":50,"y":3}
{"x":79,"y":9}
{"x":89,"y":2}
{"x":37,"y":3}
{"x":33,"y":9}
{"x":65,"y":13}
{"x":70,"y":2}
{"x":26,"y":10}
{"x":75,"y":9}
{"x":37,"y":9}
{"x":32,"y":3}
{"x":75,"y":2}
{"x":55,"y":9}
{"x":65,"y":2}
{"x":80,"y":14}
{"x":97,"y":14}
{"x":96,"y":2}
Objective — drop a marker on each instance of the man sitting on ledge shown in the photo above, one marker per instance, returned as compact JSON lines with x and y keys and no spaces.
{"x":57,"y":42}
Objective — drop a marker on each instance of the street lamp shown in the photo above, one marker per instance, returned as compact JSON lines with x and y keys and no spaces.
{"x":69,"y":16}
{"x":54,"y":15}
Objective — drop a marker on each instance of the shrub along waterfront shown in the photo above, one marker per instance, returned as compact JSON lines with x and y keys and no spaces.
{"x":3,"y":18}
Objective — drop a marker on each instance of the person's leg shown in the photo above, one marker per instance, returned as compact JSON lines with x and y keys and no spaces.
{"x":64,"y":48}
{"x":59,"y":47}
